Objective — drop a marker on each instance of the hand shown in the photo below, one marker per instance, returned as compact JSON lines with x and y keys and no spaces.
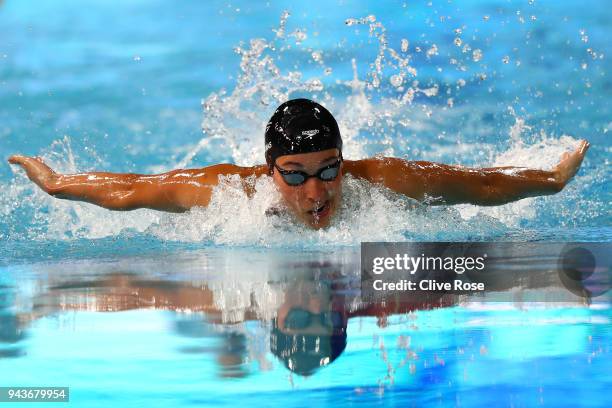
{"x":37,"y":171}
{"x":570,"y":163}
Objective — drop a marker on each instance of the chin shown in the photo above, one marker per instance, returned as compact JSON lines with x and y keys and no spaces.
{"x":319,"y":225}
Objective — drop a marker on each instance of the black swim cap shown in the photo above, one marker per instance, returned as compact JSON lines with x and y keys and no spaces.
{"x":300,"y":126}
{"x":304,"y":354}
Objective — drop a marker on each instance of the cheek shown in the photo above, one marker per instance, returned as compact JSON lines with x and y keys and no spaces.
{"x":335,"y":188}
{"x":290,"y":194}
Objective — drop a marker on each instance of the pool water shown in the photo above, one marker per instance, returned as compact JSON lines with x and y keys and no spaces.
{"x":145,"y":308}
{"x":182,"y":328}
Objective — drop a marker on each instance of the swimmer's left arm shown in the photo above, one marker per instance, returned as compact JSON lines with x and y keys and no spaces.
{"x":437,"y":183}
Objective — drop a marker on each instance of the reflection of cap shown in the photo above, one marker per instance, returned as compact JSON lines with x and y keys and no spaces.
{"x":300,"y":126}
{"x":303,"y":354}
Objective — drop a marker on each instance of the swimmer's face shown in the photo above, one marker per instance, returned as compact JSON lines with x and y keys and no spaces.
{"x":315,"y":201}
{"x":302,"y":310}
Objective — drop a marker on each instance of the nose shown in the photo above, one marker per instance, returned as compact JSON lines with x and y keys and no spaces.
{"x":315,"y":305}
{"x":314,"y":190}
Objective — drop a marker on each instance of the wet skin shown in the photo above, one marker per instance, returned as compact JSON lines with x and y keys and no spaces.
{"x":433,"y":183}
{"x":315,"y":194}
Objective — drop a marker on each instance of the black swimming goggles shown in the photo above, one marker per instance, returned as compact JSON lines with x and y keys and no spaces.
{"x":297,"y":177}
{"x":300,"y":319}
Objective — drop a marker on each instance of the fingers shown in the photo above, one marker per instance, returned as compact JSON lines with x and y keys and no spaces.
{"x":580,"y":152}
{"x":583,"y":147}
{"x":16,"y":159}
{"x":577,"y":154}
{"x":27,"y":162}
{"x":21,"y":160}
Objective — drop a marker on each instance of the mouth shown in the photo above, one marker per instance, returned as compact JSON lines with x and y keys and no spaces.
{"x":322,"y":211}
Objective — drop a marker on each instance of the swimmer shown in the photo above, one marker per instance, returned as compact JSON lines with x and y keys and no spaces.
{"x":303,"y":152}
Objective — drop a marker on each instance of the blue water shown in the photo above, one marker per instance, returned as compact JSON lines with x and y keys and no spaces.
{"x":147,"y":86}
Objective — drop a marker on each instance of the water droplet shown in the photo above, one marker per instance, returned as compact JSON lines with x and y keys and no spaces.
{"x":486,"y":18}
{"x":433,"y":91}
{"x":458,"y":42}
{"x":477,"y":55}
{"x":461,"y":82}
{"x":432,"y":51}
{"x":327,"y":71}
{"x":396,"y":80}
{"x":299,"y":36}
{"x":404,"y":45}
{"x":584,"y":65}
{"x":314,"y":85}
{"x":137,"y":58}
{"x":592,"y":53}
{"x":506,"y":59}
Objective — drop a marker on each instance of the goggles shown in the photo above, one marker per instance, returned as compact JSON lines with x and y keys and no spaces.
{"x":297,"y":177}
{"x":300,"y":319}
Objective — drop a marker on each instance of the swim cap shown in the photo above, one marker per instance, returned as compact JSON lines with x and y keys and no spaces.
{"x":304,"y":354}
{"x":300,"y":126}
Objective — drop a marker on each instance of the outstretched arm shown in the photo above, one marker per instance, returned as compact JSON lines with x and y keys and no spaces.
{"x":174,"y":191}
{"x":444,"y":184}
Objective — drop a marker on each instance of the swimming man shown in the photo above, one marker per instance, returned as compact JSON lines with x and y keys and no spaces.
{"x":304,"y":158}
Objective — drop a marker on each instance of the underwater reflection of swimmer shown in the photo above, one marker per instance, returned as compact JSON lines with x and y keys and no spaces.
{"x":303,"y":152}
{"x":308,"y":329}
{"x":309,"y":318}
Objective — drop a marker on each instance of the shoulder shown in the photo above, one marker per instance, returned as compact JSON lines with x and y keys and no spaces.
{"x":211,"y":175}
{"x":398,"y":175}
{"x":228,"y":169}
{"x":373,"y":168}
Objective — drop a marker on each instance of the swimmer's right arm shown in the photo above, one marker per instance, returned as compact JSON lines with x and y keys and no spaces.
{"x":174,"y":191}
